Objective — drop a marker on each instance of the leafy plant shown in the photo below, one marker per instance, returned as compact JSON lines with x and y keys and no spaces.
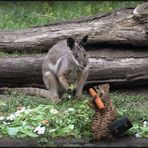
{"x":135,"y":108}
{"x":70,"y":118}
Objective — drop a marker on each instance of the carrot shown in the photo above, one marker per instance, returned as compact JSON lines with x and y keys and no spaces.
{"x":98,"y":100}
{"x":99,"y":103}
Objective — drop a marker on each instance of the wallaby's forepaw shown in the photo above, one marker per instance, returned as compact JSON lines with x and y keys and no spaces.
{"x":56,"y":100}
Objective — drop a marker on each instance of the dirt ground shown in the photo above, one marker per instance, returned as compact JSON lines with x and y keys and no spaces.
{"x":120,"y":142}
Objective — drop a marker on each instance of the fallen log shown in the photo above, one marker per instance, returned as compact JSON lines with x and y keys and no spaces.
{"x":118,"y":27}
{"x":113,"y":56}
{"x":114,"y":65}
{"x":20,"y":71}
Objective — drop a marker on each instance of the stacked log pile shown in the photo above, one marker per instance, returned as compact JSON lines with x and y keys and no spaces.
{"x":117,"y":49}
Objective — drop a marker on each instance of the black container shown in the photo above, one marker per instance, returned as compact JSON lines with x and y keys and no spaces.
{"x":118,"y":127}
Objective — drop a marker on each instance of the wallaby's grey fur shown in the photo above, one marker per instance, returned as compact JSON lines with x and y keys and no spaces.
{"x":66,"y":63}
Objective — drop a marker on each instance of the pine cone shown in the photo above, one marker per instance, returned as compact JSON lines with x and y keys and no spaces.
{"x":102,"y":118}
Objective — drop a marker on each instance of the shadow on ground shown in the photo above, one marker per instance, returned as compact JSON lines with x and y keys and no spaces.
{"x":131,"y":90}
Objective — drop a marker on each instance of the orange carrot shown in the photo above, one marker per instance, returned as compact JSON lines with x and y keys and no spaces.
{"x":98,"y":100}
{"x":99,"y":103}
{"x":92,"y":92}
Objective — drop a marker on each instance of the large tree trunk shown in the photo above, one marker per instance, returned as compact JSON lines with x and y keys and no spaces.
{"x":118,"y":27}
{"x":114,"y":65}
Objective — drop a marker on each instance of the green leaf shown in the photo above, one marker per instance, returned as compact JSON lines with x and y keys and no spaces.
{"x":28,"y":133}
{"x":13,"y":131}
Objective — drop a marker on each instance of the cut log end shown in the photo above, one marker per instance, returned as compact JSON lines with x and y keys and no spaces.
{"x":141,"y":10}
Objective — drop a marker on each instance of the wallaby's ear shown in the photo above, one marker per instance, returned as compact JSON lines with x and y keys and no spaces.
{"x":70,"y":42}
{"x":83,"y":41}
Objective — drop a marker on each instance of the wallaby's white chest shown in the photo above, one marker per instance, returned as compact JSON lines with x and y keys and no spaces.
{"x":54,"y":67}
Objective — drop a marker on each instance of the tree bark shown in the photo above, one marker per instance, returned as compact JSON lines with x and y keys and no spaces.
{"x":118,"y":27}
{"x":117,"y":49}
{"x":114,"y":65}
{"x":21,"y":71}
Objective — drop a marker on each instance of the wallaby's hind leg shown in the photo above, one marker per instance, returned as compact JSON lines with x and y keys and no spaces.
{"x":50,"y":82}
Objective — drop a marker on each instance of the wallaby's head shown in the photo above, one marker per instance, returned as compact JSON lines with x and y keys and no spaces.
{"x":78,"y":51}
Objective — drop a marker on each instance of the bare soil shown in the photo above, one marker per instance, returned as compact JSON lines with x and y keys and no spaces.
{"x":121,"y":142}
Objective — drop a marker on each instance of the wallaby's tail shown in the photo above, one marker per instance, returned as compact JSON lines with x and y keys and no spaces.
{"x":29,"y":90}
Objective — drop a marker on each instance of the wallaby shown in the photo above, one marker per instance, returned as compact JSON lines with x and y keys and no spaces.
{"x":66,"y":63}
